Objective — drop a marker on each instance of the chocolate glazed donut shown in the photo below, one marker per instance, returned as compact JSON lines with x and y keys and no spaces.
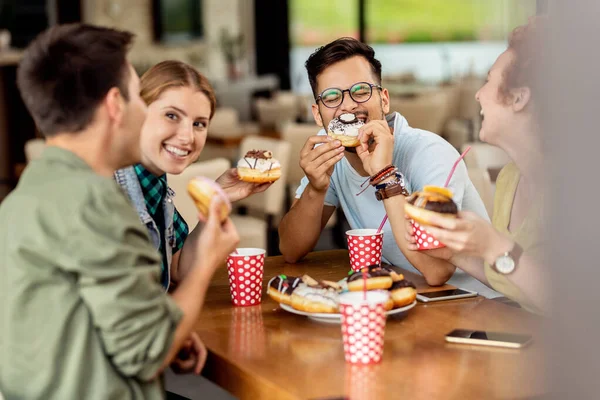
{"x":403,"y":293}
{"x":377,"y":278}
{"x":281,"y":287}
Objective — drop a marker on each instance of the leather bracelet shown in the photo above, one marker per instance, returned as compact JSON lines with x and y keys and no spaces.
{"x":390,"y":173}
{"x":399,"y":179}
{"x":392,"y":190}
{"x":381,"y":172}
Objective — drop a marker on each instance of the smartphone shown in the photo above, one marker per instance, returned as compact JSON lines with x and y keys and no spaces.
{"x":497,"y":339}
{"x":449,"y":294}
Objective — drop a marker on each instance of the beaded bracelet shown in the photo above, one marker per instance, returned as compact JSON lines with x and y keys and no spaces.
{"x":381,"y":173}
{"x":390,"y":173}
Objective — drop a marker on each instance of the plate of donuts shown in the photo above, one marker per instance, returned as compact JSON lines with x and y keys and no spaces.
{"x":319,"y":300}
{"x":336,"y":318}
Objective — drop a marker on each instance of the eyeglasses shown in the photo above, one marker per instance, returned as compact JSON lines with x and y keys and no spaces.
{"x":360,"y":92}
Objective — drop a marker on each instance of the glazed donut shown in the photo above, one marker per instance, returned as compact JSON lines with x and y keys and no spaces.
{"x":389,"y":304}
{"x":281,"y":287}
{"x":395,"y":276}
{"x":345,"y":129}
{"x":202,"y":190}
{"x":403,"y":293}
{"x":377,"y":278}
{"x":259,"y":166}
{"x":433,"y":200}
{"x":315,"y":299}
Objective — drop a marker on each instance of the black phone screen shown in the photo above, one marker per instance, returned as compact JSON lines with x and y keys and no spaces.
{"x":495,"y":336}
{"x":444,"y":293}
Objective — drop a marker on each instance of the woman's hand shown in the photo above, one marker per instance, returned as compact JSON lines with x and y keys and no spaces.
{"x":471,"y":235}
{"x":443,"y":253}
{"x":236,"y":189}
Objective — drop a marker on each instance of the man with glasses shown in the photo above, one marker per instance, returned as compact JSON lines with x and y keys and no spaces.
{"x":346,"y":78}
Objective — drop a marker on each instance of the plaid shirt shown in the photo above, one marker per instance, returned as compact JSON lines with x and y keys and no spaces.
{"x":155,"y":191}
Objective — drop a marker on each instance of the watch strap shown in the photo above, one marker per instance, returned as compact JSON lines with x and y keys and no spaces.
{"x":389,"y":191}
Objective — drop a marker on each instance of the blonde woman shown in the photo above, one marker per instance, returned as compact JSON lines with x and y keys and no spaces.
{"x":181,"y":103}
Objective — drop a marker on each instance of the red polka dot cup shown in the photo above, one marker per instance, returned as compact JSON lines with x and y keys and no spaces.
{"x":246,"y":269}
{"x":424,"y":240}
{"x":363,"y":326}
{"x":364,"y":246}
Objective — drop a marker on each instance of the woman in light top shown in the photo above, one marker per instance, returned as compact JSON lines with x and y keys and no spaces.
{"x":506,"y":255}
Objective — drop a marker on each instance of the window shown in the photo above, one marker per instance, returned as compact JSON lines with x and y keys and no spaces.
{"x":314,"y":23}
{"x":417,"y":21}
{"x":177,"y":20}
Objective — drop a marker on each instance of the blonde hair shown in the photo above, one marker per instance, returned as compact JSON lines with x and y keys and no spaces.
{"x":172,"y":74}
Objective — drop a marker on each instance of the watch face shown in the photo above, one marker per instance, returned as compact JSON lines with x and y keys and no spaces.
{"x":505,"y":264}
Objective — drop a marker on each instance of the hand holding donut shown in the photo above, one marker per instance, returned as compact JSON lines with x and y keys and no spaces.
{"x":317,"y":159}
{"x":377,"y":156}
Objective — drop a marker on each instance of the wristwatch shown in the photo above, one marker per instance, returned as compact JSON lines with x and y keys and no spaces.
{"x":393,"y":188}
{"x":390,"y":191}
{"x":507,"y":262}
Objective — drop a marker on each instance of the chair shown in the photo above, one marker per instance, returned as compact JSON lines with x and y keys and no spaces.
{"x":297,"y":135}
{"x":428,"y":111}
{"x":482,"y":182}
{"x":485,"y":156}
{"x":252,"y":231}
{"x":225,"y":133}
{"x":281,"y":109}
{"x":34,"y":149}
{"x":271,"y":203}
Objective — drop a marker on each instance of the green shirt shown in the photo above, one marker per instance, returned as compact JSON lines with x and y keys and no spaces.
{"x":82,"y":315}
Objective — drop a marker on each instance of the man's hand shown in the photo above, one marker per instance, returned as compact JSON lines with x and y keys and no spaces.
{"x":236,"y":189}
{"x":379,"y":154}
{"x":191,"y":357}
{"x":317,"y":162}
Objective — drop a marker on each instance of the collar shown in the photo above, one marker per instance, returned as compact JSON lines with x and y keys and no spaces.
{"x":59,"y":154}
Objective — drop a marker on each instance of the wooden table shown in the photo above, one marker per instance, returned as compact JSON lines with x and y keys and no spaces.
{"x":264,"y":352}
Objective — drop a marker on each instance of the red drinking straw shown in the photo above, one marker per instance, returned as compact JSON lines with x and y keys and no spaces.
{"x":456,"y":165}
{"x":382,"y":224}
{"x":364,"y":274}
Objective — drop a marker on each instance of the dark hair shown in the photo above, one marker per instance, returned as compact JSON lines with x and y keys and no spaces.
{"x":336,"y":51}
{"x":67,"y":71}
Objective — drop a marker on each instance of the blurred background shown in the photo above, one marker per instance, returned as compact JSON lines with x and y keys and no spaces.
{"x":435,"y":55}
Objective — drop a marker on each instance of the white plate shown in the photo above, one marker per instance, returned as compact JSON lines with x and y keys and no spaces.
{"x":337,"y":318}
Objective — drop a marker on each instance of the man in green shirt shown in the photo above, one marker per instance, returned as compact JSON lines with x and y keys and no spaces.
{"x":82,"y":313}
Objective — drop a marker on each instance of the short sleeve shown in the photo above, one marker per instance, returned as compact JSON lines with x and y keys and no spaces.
{"x":180,"y":230}
{"x":331,"y":198}
{"x":117,"y":271}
